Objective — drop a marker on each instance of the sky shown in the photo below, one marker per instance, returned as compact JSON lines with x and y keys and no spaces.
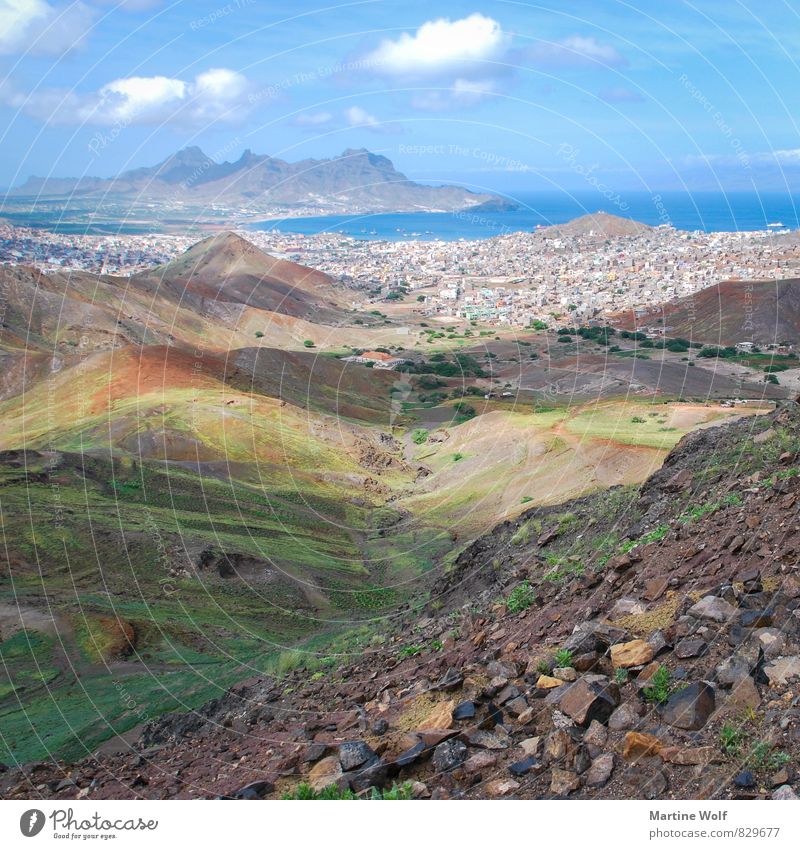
{"x":503,"y":95}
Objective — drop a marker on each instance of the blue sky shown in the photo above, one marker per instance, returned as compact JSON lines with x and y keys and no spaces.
{"x":498,"y":95}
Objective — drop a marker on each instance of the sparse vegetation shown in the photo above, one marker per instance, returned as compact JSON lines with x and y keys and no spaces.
{"x":521,"y":598}
{"x":661,"y":686}
{"x":563,"y":657}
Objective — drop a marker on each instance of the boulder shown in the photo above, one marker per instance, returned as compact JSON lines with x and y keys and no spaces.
{"x":493,"y":740}
{"x":596,"y":734}
{"x":690,"y":707}
{"x":690,"y":648}
{"x":355,"y":754}
{"x":411,"y":755}
{"x":448,"y":755}
{"x":565,"y":673}
{"x":698,"y":756}
{"x":464,"y":710}
{"x":633,"y":653}
{"x":733,"y":669}
{"x":254,"y":790}
{"x":756,"y":618}
{"x":744,"y":694}
{"x":547,"y":682}
{"x":532,"y":746}
{"x":600,"y":771}
{"x":324,"y":773}
{"x":714,"y":608}
{"x":479,"y":762}
{"x":637,"y":745}
{"x":585,"y":701}
{"x":501,"y":787}
{"x":784,"y":794}
{"x":526,"y":765}
{"x":564,"y":782}
{"x":623,"y":718}
{"x":782,"y":670}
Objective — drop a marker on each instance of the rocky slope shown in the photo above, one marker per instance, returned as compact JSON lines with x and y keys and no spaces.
{"x":641,"y":643}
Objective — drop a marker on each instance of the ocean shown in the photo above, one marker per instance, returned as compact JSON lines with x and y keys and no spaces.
{"x":706,"y":211}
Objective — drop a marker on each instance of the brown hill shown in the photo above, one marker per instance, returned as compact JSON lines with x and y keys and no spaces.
{"x":601,"y":225}
{"x":212,"y":297}
{"x":761,"y":311}
{"x":228,"y":269}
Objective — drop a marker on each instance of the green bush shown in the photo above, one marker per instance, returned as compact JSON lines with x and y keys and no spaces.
{"x":308,"y":343}
{"x":563,"y":657}
{"x":660,"y":686}
{"x":305,"y":792}
{"x":419,"y":436}
{"x":521,"y":598}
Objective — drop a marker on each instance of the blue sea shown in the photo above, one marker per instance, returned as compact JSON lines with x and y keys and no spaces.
{"x":707,"y":211}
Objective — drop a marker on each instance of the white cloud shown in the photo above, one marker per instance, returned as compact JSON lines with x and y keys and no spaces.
{"x":37,"y":27}
{"x":462,"y":93}
{"x":790,"y":156}
{"x":216,"y":95}
{"x":358,"y":117}
{"x":353,"y":116}
{"x":441,"y":47}
{"x":575,"y":50}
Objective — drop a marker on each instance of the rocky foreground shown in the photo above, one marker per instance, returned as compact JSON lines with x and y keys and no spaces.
{"x":634,"y":644}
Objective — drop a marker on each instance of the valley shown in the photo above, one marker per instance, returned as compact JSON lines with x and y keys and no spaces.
{"x":188,"y":501}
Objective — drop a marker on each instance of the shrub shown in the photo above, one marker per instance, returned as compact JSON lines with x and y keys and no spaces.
{"x":563,"y":657}
{"x":419,"y":436}
{"x":308,"y":343}
{"x":259,"y":334}
{"x":521,"y":598}
{"x":730,"y":739}
{"x":409,"y":651}
{"x":660,"y":686}
{"x":457,"y":456}
{"x":305,"y":792}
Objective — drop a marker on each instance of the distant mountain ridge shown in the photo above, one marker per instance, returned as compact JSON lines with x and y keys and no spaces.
{"x":357,"y":181}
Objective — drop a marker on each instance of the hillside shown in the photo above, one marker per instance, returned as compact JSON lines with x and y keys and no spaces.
{"x":596,"y":225}
{"x":219,"y":294}
{"x":760,"y":311}
{"x":640,"y":643}
{"x":356,"y":180}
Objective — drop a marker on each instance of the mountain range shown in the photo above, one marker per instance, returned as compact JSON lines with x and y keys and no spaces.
{"x":355,"y":181}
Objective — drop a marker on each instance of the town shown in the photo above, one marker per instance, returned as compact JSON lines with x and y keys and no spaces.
{"x":517,"y":279}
